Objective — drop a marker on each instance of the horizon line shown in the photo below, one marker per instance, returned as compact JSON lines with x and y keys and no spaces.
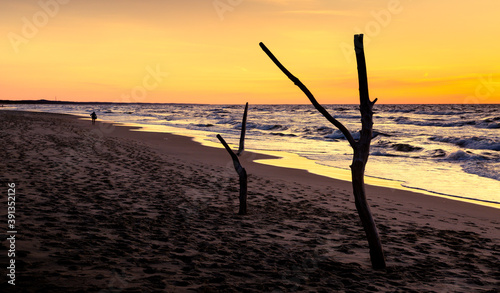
{"x":45,"y":101}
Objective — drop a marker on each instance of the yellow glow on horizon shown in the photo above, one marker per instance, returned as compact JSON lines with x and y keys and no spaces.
{"x":416,"y":52}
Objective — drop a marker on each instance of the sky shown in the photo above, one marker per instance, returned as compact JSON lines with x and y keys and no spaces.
{"x":207,"y":51}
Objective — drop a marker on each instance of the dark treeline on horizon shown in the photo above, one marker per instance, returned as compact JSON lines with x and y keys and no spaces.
{"x":51,"y":102}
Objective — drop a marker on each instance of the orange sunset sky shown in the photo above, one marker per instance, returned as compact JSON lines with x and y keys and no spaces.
{"x":206,"y":51}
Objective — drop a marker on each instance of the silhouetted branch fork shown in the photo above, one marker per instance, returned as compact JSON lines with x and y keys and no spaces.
{"x":236,"y":161}
{"x":306,"y":91}
{"x":242,"y":173}
{"x":243,"y":130}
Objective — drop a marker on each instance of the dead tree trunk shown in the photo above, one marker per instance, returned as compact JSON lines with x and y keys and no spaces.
{"x":360,"y":159}
{"x":242,"y":173}
{"x":361,"y":147}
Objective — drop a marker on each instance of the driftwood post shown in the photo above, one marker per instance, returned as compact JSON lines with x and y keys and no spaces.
{"x":361,"y":147}
{"x":242,"y":173}
{"x":243,"y":131}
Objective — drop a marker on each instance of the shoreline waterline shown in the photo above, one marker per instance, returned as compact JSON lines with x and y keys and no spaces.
{"x":284,"y":159}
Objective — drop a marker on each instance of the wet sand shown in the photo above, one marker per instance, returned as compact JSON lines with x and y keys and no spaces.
{"x":105,"y":209}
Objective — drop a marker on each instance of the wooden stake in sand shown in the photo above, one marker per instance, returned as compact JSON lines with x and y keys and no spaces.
{"x":242,"y":173}
{"x":361,"y":147}
{"x":243,"y":131}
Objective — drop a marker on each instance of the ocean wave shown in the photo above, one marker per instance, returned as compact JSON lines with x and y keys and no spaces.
{"x":443,"y":113}
{"x":230,"y":121}
{"x":283,"y":134}
{"x":493,"y":125}
{"x":492,"y":119}
{"x":262,"y":126}
{"x":404,"y":147}
{"x":325,"y":130}
{"x":383,"y":154}
{"x":318,"y":130}
{"x":271,"y":127}
{"x":400,"y":111}
{"x":158,"y":111}
{"x":220,"y":111}
{"x":346,"y":116}
{"x":471,"y":142}
{"x":481,"y":165}
{"x":483,"y":169}
{"x":489,"y":123}
{"x":214,"y":116}
{"x":463,"y":156}
{"x":332,"y":133}
{"x":433,"y":122}
{"x":170,"y":118}
{"x":337,"y":134}
{"x":437,"y":153}
{"x":341,"y":109}
{"x":376,"y":133}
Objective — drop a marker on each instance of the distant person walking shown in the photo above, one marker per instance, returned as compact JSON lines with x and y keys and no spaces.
{"x":94,"y":117}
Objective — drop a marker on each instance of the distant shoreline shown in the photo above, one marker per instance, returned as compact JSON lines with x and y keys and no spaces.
{"x":48,"y":102}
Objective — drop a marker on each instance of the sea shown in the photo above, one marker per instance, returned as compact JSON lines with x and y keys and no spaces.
{"x":443,"y":150}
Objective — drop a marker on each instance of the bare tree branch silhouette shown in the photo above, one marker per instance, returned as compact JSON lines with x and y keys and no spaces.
{"x":361,"y":147}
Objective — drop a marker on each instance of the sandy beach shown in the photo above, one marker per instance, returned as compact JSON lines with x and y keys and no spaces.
{"x":101,"y":208}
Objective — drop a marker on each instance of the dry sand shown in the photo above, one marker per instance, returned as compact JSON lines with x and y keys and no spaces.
{"x":105,"y":209}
